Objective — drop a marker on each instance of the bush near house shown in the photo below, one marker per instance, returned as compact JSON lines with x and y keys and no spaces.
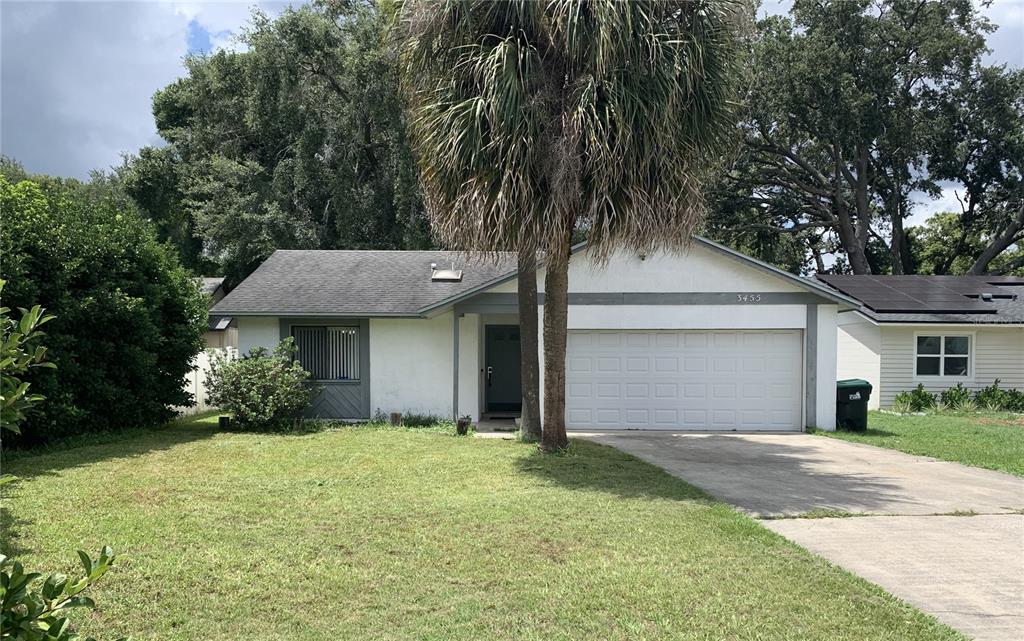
{"x":129,"y":319}
{"x":262,"y":390}
{"x":960,"y":399}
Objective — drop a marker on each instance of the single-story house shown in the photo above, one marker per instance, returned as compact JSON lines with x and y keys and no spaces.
{"x":934,"y":330}
{"x":705,"y":339}
{"x":222,"y":331}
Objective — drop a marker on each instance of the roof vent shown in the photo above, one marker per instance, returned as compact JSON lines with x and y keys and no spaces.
{"x":445,"y":275}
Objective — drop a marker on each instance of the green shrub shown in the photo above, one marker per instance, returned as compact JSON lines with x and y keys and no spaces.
{"x":903,"y":403}
{"x":993,"y":398}
{"x":129,"y":319}
{"x":1015,"y":400}
{"x":262,"y":390}
{"x":921,"y":399}
{"x":423,"y":420}
{"x":959,"y":399}
{"x":35,"y":609}
{"x":19,"y":354}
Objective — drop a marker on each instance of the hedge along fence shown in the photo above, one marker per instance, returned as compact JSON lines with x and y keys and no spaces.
{"x":959,"y":398}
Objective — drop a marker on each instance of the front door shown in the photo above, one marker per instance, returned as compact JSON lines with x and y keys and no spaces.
{"x":503,"y":390}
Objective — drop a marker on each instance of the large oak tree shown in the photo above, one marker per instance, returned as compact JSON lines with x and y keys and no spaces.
{"x":838,"y":136}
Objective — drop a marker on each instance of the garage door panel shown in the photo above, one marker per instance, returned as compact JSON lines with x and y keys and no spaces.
{"x":698,"y":380}
{"x":695,"y":391}
{"x":608,"y":365}
{"x":579,"y":365}
{"x":666,"y":364}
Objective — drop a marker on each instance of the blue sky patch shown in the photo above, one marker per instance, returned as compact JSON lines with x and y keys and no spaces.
{"x":198,"y":38}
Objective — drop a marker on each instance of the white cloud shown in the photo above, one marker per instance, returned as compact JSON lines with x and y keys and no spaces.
{"x":78,"y":77}
{"x":926,"y":207}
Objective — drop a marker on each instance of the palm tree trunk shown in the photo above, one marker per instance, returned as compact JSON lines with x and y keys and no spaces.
{"x":556,"y":310}
{"x":529,"y":429}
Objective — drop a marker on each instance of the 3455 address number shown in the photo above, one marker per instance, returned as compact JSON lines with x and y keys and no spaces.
{"x":748,"y":298}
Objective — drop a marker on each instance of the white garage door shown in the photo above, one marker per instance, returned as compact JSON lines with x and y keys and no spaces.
{"x":684,"y":380}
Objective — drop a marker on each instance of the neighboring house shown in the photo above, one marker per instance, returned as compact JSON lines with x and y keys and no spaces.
{"x":707,"y":339}
{"x":222,"y":331}
{"x":933,"y":330}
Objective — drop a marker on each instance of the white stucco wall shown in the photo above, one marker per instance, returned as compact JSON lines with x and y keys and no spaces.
{"x":825,"y":414}
{"x":858,"y":352}
{"x":698,"y":269}
{"x":258,"y":331}
{"x":687,"y":316}
{"x":411,"y":365}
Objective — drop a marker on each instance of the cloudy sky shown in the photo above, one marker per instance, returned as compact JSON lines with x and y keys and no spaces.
{"x":76,"y":77}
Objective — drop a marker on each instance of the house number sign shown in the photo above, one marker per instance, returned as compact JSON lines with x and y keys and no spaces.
{"x":748,"y":298}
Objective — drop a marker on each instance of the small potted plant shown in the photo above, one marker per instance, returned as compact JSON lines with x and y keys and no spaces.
{"x":462,"y":424}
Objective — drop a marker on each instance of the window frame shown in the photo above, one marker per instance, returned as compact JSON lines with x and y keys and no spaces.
{"x":942,"y":336}
{"x":358,"y":350}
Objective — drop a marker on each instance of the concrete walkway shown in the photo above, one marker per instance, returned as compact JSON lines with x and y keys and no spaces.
{"x":967,"y":571}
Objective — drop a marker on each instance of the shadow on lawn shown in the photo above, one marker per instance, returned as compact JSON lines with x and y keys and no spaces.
{"x":50,"y":460}
{"x":588,"y":466}
{"x":10,"y":527}
{"x":874,"y":431}
{"x":763,"y":476}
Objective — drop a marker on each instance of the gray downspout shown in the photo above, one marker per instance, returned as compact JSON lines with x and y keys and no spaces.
{"x":811,"y":375}
{"x":455,"y":365}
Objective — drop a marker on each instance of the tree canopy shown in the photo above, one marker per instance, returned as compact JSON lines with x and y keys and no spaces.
{"x":297,"y":142}
{"x":856,"y":109}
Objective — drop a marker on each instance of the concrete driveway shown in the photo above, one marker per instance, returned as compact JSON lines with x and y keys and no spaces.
{"x":913,"y":537}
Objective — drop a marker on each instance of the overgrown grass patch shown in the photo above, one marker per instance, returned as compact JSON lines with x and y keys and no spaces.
{"x":382,"y":533}
{"x":993,"y":440}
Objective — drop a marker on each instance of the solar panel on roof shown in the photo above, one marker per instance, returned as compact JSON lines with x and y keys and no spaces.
{"x":916,"y":294}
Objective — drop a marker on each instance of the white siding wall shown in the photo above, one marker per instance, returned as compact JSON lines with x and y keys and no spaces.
{"x":998,"y":352}
{"x":859,"y":344}
{"x":411,"y":365}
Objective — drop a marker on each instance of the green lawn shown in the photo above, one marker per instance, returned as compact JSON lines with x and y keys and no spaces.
{"x":990,"y":440}
{"x":372,"y":533}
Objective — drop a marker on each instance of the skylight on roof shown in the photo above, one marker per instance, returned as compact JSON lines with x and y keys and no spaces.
{"x":445,"y":275}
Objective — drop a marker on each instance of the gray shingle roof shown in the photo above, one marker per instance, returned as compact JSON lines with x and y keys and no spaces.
{"x":959,"y":301}
{"x":357,"y":283}
{"x":210,"y":285}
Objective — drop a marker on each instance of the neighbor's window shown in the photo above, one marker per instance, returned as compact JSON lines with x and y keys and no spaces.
{"x":943,"y":355}
{"x":329,"y":353}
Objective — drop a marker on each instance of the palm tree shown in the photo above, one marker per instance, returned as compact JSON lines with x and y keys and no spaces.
{"x":536,"y":120}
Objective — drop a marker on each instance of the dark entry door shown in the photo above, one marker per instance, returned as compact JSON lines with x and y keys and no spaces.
{"x":503,"y":390}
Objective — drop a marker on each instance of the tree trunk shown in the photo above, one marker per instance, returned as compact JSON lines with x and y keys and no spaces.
{"x":999,"y":243}
{"x":529,"y":430}
{"x":898,"y":245}
{"x":556,"y":310}
{"x":849,"y":239}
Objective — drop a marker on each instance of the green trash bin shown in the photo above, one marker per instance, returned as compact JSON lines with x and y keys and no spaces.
{"x":852,"y":397}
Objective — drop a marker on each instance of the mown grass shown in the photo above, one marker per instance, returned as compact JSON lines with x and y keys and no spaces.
{"x":990,"y":440}
{"x":377,"y":533}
